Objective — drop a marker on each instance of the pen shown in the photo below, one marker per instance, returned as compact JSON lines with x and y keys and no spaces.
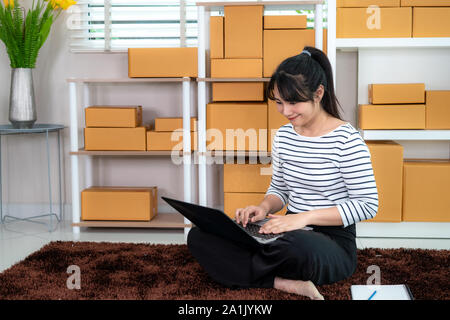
{"x":372,"y":295}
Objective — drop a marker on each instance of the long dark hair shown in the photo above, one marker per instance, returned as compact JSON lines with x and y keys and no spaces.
{"x":297,"y":78}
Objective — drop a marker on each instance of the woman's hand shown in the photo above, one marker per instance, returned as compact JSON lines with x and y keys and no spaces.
{"x":279,"y":224}
{"x":252,"y":213}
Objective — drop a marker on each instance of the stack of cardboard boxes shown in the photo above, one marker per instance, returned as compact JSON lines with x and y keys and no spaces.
{"x":114,"y":128}
{"x":244,"y":185}
{"x":168,"y":135}
{"x":392,"y":18}
{"x":409,"y":190}
{"x":246,"y":44}
{"x":405,"y":106}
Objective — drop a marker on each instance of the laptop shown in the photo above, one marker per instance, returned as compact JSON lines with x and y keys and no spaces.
{"x":217,"y":222}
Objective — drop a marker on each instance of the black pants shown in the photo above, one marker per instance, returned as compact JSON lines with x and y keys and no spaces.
{"x":324,"y":256}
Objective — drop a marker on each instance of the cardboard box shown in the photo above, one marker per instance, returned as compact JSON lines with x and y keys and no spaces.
{"x":236,"y":68}
{"x":275,"y":121}
{"x":246,"y":177}
{"x":113,"y":116}
{"x":216,"y":50}
{"x":162,"y":62}
{"x":233,"y":201}
{"x":425,"y":3}
{"x":243,"y":31}
{"x":240,"y":91}
{"x":119,"y":203}
{"x":285,"y":22}
{"x":236,"y":126}
{"x":425,"y":191}
{"x":397,"y":93}
{"x":366,"y":3}
{"x":115,"y":139}
{"x":437,"y":109}
{"x":169,"y":124}
{"x":168,"y":141}
{"x":387,"y":163}
{"x":391,"y":116}
{"x":282,"y":44}
{"x":383,"y":23}
{"x":431,"y":22}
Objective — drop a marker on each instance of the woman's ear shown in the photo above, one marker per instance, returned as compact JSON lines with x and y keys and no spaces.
{"x":318,"y":95}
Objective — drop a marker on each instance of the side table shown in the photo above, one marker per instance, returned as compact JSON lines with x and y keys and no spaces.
{"x":37,"y":129}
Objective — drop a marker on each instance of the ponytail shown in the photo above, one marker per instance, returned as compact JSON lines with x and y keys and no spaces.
{"x":297,"y":79}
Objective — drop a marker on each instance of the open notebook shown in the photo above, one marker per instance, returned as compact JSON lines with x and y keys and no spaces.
{"x":381,"y":292}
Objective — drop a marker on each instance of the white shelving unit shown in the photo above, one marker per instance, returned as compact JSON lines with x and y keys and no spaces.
{"x":204,"y":11}
{"x":353,"y":44}
{"x":162,"y":220}
{"x":363,"y":46}
{"x":415,"y":135}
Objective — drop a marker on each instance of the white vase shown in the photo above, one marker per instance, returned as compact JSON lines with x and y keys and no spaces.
{"x":22,"y":105}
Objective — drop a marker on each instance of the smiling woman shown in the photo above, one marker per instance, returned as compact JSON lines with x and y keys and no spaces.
{"x":322,"y":171}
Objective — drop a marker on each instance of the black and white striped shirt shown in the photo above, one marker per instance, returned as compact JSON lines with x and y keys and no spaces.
{"x":333,"y":170}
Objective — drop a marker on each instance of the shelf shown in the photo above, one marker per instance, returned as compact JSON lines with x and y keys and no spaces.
{"x":127,"y":80}
{"x":405,"y":134}
{"x":257,"y":3}
{"x":233,"y":79}
{"x":162,"y":220}
{"x":83,"y":152}
{"x":356,"y":43}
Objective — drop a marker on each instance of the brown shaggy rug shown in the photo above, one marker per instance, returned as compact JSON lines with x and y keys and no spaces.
{"x":169,"y":272}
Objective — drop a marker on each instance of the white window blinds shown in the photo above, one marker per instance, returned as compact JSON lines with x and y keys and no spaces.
{"x":116,"y":25}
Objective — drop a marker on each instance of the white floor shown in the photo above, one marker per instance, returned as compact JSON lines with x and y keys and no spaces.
{"x":18,"y":239}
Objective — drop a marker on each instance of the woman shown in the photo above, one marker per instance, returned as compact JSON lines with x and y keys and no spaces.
{"x":322,"y":170}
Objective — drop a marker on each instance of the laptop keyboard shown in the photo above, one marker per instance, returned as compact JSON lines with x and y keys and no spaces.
{"x":253,"y":230}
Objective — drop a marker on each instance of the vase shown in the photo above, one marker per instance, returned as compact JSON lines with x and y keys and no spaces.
{"x":22,"y":105}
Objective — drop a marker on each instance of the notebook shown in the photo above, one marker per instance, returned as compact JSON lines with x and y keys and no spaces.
{"x":381,"y":292}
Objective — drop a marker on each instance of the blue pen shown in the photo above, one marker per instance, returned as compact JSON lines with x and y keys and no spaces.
{"x":372,"y":295}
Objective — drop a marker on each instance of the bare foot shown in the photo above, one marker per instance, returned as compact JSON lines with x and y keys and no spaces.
{"x":304,"y":288}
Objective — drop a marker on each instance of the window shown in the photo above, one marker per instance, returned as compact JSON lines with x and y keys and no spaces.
{"x":115,"y":25}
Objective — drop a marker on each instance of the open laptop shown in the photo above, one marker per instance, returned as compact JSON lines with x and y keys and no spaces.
{"x":217,"y":222}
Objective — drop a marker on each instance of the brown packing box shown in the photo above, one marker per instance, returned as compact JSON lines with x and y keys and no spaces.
{"x":366,"y":3}
{"x":172,"y":124}
{"x":285,"y":22}
{"x":425,"y":191}
{"x":119,"y":203}
{"x":243,"y":31}
{"x":410,"y":116}
{"x":123,"y":139}
{"x":282,"y":44}
{"x":162,"y":62}
{"x":425,"y":3}
{"x":431,"y":22}
{"x":233,"y":201}
{"x":390,"y":23}
{"x":242,"y":120}
{"x":241,"y":91}
{"x":437,"y":109}
{"x":387,"y":163}
{"x":113,"y":116}
{"x":246,"y":177}
{"x":216,"y":37}
{"x":397,"y":93}
{"x":275,"y":121}
{"x":168,"y":141}
{"x":236,"y":68}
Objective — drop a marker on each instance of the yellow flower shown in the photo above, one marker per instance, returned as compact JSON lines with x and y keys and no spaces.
{"x":9,"y":3}
{"x":63,"y":4}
